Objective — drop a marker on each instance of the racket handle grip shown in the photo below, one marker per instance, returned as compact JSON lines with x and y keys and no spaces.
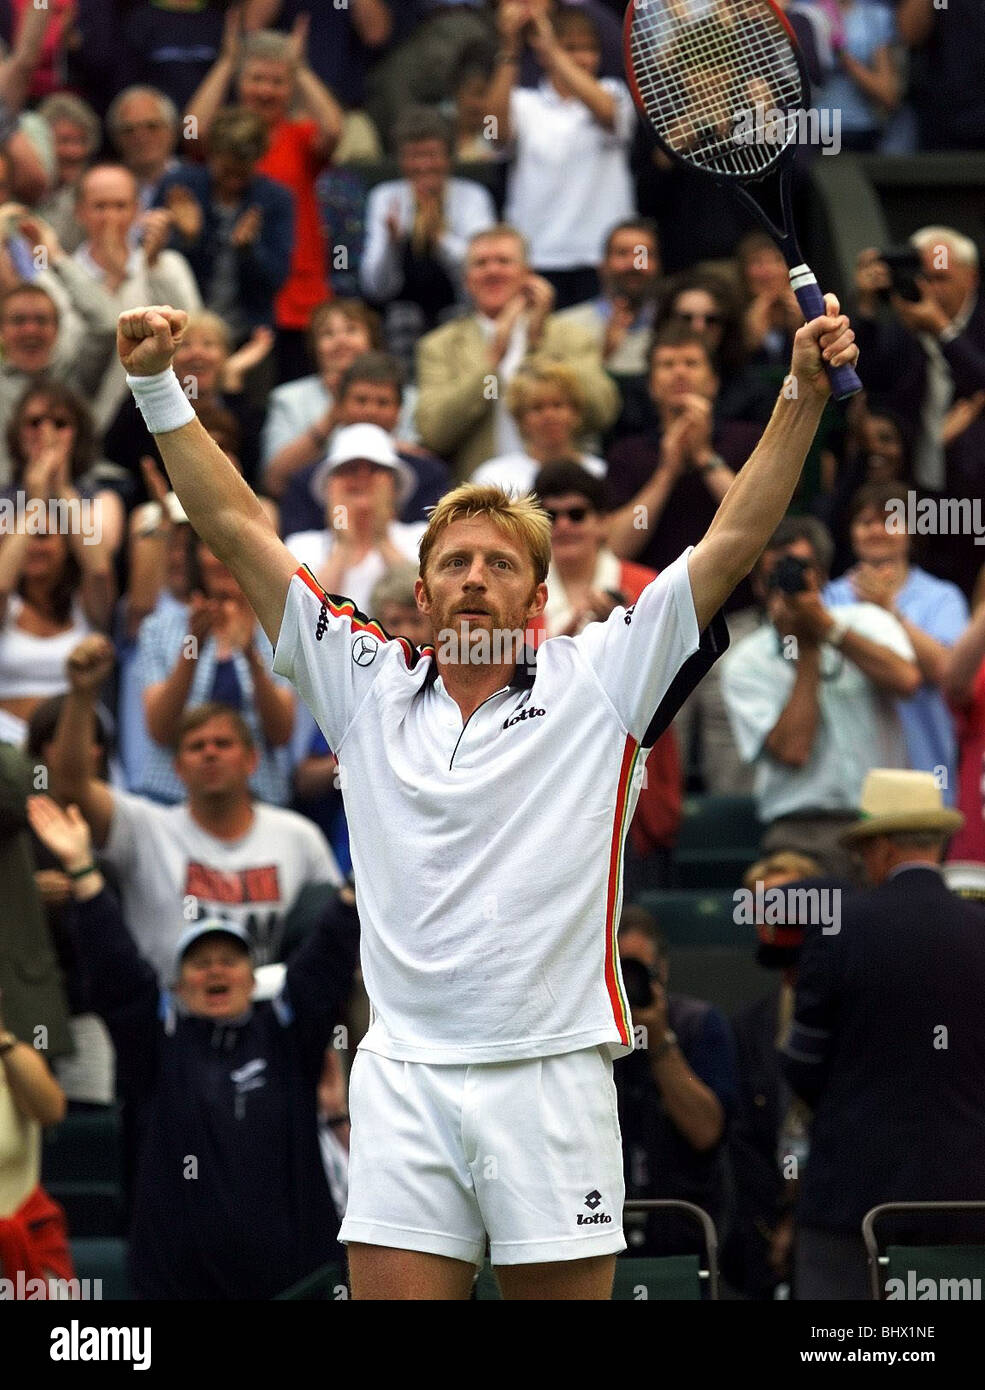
{"x":844,"y":380}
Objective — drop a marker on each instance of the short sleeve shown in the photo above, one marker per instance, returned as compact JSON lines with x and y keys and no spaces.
{"x":949,"y":616}
{"x":524,"y":104}
{"x":332,"y":653}
{"x":650,"y":656}
{"x":137,"y":823}
{"x":625,"y":110}
{"x":320,"y":866}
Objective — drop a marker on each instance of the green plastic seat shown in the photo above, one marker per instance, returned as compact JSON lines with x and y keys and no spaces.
{"x":957,"y":1270}
{"x":697,"y":919}
{"x":106,"y":1260}
{"x":718,"y":840}
{"x":663,"y":1278}
{"x":84,"y":1147}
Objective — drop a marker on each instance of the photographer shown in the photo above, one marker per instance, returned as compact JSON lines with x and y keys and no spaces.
{"x":809,"y":696}
{"x":920,"y":327}
{"x":676,"y":1093}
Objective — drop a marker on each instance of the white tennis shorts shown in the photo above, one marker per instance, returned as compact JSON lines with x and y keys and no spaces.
{"x":528,"y":1153}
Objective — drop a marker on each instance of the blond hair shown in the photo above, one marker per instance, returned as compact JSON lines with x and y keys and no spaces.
{"x":786,"y":862}
{"x":205,"y":321}
{"x":523,"y":519}
{"x":523,"y":388}
{"x":497,"y":232}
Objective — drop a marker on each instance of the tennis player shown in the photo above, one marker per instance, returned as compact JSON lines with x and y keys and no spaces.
{"x":488,"y":797}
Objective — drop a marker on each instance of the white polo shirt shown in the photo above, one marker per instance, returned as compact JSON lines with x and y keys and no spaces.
{"x":570,"y":180}
{"x":488,"y":856}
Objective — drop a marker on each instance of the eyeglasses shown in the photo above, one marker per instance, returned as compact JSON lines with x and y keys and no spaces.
{"x":572,"y":513}
{"x":25,"y":320}
{"x":60,"y":422}
{"x":711,"y":319}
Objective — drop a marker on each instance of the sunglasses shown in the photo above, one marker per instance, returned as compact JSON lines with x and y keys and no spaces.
{"x":59,"y":421}
{"x":710,"y":319}
{"x":572,"y":513}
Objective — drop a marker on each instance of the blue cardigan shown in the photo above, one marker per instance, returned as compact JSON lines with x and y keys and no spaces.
{"x":263,"y":266}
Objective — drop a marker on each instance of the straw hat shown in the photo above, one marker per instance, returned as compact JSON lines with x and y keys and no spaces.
{"x":895,"y":801}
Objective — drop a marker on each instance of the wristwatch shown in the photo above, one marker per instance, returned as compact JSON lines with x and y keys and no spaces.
{"x":835,"y":634}
{"x":669,"y":1042}
{"x":7,"y":1043}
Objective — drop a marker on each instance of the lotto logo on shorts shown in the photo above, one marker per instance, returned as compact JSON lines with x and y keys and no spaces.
{"x":599,"y":1218}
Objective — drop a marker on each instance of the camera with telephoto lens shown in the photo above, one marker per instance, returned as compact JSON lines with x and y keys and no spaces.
{"x":905,"y":264}
{"x":637,"y":978}
{"x":789,"y":575}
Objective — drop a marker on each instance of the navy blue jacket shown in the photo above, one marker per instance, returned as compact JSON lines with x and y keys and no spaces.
{"x":263,"y":266}
{"x":899,"y":1106}
{"x":230,"y":1197}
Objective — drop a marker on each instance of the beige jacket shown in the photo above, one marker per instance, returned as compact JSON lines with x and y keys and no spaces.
{"x":456,"y":409}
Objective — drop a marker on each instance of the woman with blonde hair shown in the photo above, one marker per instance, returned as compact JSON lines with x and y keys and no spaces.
{"x":547,"y":401}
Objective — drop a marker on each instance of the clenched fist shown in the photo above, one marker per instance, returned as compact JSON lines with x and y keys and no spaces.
{"x":90,"y":664}
{"x":827,"y":341}
{"x":146,"y":339}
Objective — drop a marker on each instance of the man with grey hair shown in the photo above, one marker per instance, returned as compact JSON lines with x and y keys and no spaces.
{"x":464,"y":367}
{"x":809,"y":697}
{"x":925,"y":357}
{"x":887,"y":1045}
{"x":143,"y":125}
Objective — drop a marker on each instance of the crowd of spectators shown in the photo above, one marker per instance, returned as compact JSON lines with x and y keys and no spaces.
{"x":536,"y":300}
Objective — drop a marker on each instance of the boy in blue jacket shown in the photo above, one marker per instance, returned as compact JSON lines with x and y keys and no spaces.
{"x":230,"y":1197}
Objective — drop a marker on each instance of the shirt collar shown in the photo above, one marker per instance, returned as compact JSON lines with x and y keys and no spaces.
{"x":914,"y":864}
{"x":522,"y":679}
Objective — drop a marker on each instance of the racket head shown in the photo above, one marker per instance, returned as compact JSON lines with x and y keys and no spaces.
{"x":700,"y":69}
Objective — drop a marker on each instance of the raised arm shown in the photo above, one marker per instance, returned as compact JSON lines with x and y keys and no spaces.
{"x":223,"y":510}
{"x":214,"y":87}
{"x":590,"y":92}
{"x":17,"y":70}
{"x":321,"y":105}
{"x":758,"y":499}
{"x":70,"y":763}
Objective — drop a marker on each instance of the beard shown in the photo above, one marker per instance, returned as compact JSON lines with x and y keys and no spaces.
{"x":636,"y":286}
{"x":497,"y":640}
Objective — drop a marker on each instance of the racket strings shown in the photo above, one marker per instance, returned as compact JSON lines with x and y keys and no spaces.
{"x":710,"y":75}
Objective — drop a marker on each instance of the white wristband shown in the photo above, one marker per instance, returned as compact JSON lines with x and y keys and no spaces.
{"x":161,"y":401}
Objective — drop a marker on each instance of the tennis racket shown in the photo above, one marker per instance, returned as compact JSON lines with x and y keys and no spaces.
{"x":722,"y":83}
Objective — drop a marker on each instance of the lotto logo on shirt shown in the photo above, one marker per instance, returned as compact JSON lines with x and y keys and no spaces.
{"x":260,"y":885}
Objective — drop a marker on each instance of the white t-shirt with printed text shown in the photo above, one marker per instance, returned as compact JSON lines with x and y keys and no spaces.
{"x":173,"y":872}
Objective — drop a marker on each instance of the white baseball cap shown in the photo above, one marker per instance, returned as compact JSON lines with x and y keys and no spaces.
{"x":368,"y":442}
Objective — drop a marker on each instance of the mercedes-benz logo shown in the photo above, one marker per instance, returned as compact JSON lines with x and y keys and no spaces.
{"x":364,"y":650}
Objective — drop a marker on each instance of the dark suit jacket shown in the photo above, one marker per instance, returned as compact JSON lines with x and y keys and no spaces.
{"x":899,"y":1105}
{"x":893,"y":368}
{"x":263,"y":266}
